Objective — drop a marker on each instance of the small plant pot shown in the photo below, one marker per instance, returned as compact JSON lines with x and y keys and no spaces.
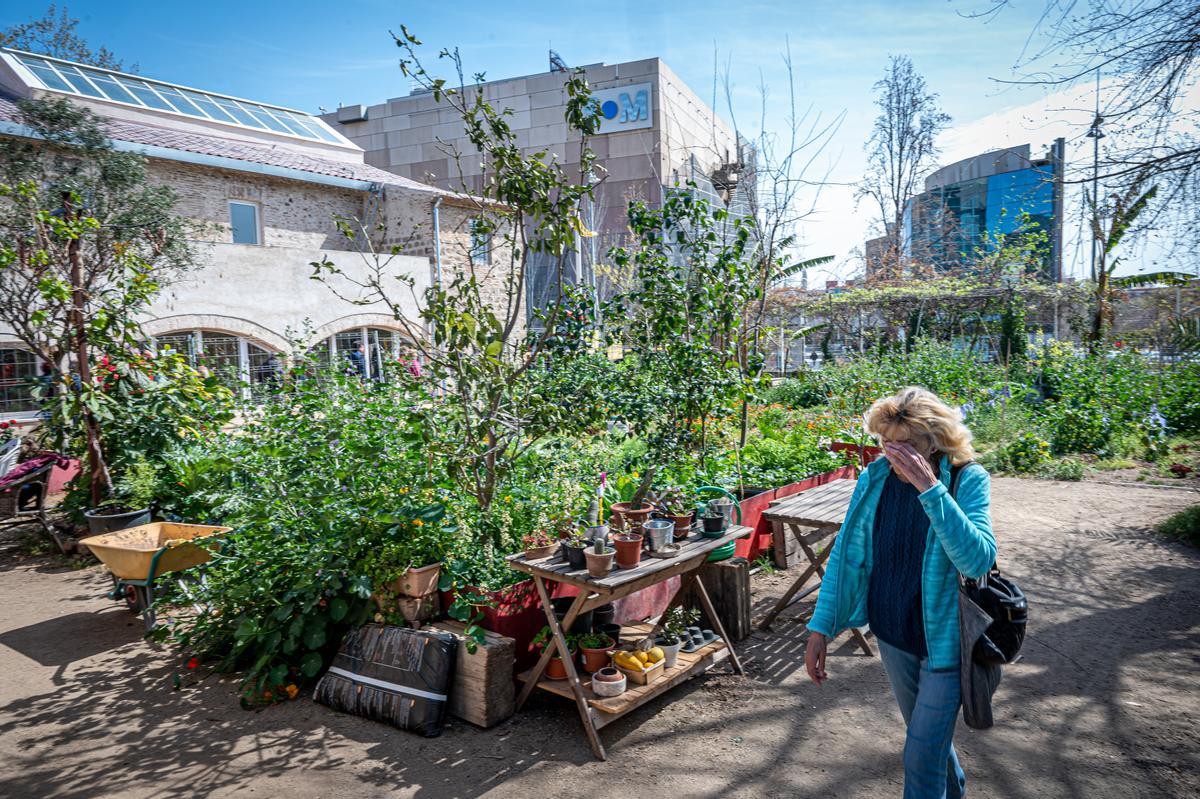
{"x":658,"y":533}
{"x":599,"y":565}
{"x":670,"y":652}
{"x":714,"y":526}
{"x":538,"y":553}
{"x":556,"y":669}
{"x":627,"y":518}
{"x":611,"y":629}
{"x":418,"y":582}
{"x":583,"y":622}
{"x":596,"y":659}
{"x":629,"y":549}
{"x":575,"y":554}
{"x":608,"y":682}
{"x":683,"y":525}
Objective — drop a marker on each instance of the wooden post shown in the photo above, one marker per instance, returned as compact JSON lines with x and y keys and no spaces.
{"x":727,"y":583}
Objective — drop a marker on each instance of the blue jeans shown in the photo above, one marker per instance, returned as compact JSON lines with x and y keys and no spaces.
{"x":929,"y":702}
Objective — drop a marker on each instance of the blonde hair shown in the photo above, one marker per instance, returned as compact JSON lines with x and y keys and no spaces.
{"x":917,"y":415}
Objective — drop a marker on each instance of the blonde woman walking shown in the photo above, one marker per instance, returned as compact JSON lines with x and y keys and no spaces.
{"x":895,"y":566}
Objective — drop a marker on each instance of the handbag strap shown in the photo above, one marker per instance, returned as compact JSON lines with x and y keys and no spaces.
{"x":955,"y":474}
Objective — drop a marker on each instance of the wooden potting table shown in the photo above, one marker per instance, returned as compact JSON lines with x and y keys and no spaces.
{"x":595,"y":711}
{"x":811,"y":517}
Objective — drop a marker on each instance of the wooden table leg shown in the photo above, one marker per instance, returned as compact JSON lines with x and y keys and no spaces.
{"x":719,"y":628}
{"x":862,"y":641}
{"x":815,"y":567}
{"x":585,"y":711}
{"x":552,"y":647}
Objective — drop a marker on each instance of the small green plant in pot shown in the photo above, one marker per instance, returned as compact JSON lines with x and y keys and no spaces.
{"x":574,"y":548}
{"x":675,"y":504}
{"x":538,"y":545}
{"x":556,"y":669}
{"x":674,"y":632}
{"x":599,"y":558}
{"x":595,"y":648}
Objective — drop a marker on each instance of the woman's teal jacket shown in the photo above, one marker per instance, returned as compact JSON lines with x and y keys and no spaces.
{"x":960,"y":539}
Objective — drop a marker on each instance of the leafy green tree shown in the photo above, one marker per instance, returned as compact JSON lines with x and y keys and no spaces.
{"x":86,"y":241}
{"x":695,"y":276}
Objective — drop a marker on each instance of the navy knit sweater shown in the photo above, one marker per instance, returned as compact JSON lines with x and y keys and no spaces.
{"x":898,"y":550}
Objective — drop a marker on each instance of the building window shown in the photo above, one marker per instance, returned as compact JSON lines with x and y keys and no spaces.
{"x":481,"y":243}
{"x":18,"y":374}
{"x":363,"y":351}
{"x":243,"y":220}
{"x":238,"y":362}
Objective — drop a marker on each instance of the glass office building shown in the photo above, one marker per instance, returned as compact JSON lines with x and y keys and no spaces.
{"x":967,"y":205}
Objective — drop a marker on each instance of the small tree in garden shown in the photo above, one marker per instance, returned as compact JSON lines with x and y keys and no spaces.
{"x":85,"y":244}
{"x":473,"y":340}
{"x":695,"y":278}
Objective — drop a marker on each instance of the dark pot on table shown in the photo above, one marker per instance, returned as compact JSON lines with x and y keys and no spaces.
{"x":574,"y":553}
{"x":107,"y":521}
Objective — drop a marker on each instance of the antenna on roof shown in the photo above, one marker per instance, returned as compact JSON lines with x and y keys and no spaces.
{"x":556,"y":62}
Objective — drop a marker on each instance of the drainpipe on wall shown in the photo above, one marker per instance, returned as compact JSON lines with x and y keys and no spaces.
{"x":437,"y":257}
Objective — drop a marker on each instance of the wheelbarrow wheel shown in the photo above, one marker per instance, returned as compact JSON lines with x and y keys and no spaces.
{"x":133,"y":599}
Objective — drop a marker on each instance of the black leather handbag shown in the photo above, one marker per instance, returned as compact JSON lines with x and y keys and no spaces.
{"x":1002,"y":600}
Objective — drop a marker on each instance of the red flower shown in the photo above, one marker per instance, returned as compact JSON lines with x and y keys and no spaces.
{"x":1117,"y":344}
{"x":193,"y":663}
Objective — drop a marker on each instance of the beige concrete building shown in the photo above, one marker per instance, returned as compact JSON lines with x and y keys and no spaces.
{"x":264,"y":185}
{"x":655,"y":132}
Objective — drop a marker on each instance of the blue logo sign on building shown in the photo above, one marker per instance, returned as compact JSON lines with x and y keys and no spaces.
{"x":625,"y":107}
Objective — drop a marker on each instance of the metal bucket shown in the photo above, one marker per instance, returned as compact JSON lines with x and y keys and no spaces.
{"x":724,"y":506}
{"x":658,"y":533}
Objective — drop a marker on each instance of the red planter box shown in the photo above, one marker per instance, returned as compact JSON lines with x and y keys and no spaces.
{"x":868,"y":454}
{"x":755,"y":545}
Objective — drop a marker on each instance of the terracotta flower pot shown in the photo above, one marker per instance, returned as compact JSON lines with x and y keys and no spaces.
{"x":556,"y":669}
{"x":683,"y":525}
{"x":418,"y":582}
{"x":627,"y":518}
{"x":595,"y":659}
{"x":599,"y":565}
{"x":538,"y":553}
{"x":629,"y":549}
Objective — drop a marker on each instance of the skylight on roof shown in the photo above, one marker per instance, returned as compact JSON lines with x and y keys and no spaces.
{"x":85,"y":81}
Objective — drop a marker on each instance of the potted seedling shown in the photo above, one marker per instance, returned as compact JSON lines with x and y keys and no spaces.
{"x":675,"y":632}
{"x":595,"y":648}
{"x":630,"y":515}
{"x":674,"y":503}
{"x":556,"y":669}
{"x":599,"y":558}
{"x":714,"y":523}
{"x":574,"y":549}
{"x":538,"y":545}
{"x":629,"y":549}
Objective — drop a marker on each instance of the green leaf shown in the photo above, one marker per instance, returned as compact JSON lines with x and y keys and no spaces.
{"x":310,"y":664}
{"x":277,"y":674}
{"x":338,"y":609}
{"x":314,"y":639}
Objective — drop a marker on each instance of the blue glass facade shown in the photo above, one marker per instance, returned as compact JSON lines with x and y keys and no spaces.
{"x":949,"y":226}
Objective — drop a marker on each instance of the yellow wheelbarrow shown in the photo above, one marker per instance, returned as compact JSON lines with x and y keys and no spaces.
{"x":138,"y":556}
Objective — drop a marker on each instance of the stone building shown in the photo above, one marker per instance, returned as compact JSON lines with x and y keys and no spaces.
{"x":655,"y":133}
{"x":264,"y":183}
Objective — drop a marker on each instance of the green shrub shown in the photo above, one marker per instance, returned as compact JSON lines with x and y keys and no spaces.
{"x":1079,"y":426}
{"x":807,"y":391}
{"x":1026,"y":453}
{"x":1183,"y":526}
{"x":1067,"y":469}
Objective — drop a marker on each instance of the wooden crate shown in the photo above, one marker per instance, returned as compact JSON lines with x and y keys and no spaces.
{"x":482,"y":692}
{"x":728,"y":585}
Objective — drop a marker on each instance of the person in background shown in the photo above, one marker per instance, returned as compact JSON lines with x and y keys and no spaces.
{"x":895,"y":566}
{"x":272,"y":371}
{"x":358,"y":360}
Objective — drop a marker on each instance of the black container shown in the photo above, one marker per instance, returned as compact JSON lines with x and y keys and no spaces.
{"x":610,"y":629}
{"x":605,"y":614}
{"x":713,"y":524}
{"x":574,"y":556}
{"x":583,"y":622}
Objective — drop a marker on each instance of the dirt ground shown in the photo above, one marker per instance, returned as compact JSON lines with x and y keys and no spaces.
{"x":1105,"y":704}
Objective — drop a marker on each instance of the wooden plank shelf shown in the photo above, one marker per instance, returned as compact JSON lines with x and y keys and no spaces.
{"x":687,"y":666}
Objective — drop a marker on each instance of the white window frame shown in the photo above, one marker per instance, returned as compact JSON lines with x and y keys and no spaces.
{"x":258,"y":221}
{"x":243,"y":366}
{"x":364,"y":335}
{"x":19,"y":415}
{"x":480,"y":253}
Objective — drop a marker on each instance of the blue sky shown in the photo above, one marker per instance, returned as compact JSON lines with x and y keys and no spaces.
{"x":307,"y":54}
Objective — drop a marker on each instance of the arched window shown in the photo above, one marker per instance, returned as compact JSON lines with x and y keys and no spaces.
{"x":379,"y":346}
{"x":236,"y":360}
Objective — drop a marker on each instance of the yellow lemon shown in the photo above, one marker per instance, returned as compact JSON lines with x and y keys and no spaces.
{"x":644,"y":657}
{"x":656,"y":654}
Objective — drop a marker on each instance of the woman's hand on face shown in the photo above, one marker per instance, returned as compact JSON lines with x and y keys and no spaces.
{"x":814,"y":658}
{"x":911,"y":464}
